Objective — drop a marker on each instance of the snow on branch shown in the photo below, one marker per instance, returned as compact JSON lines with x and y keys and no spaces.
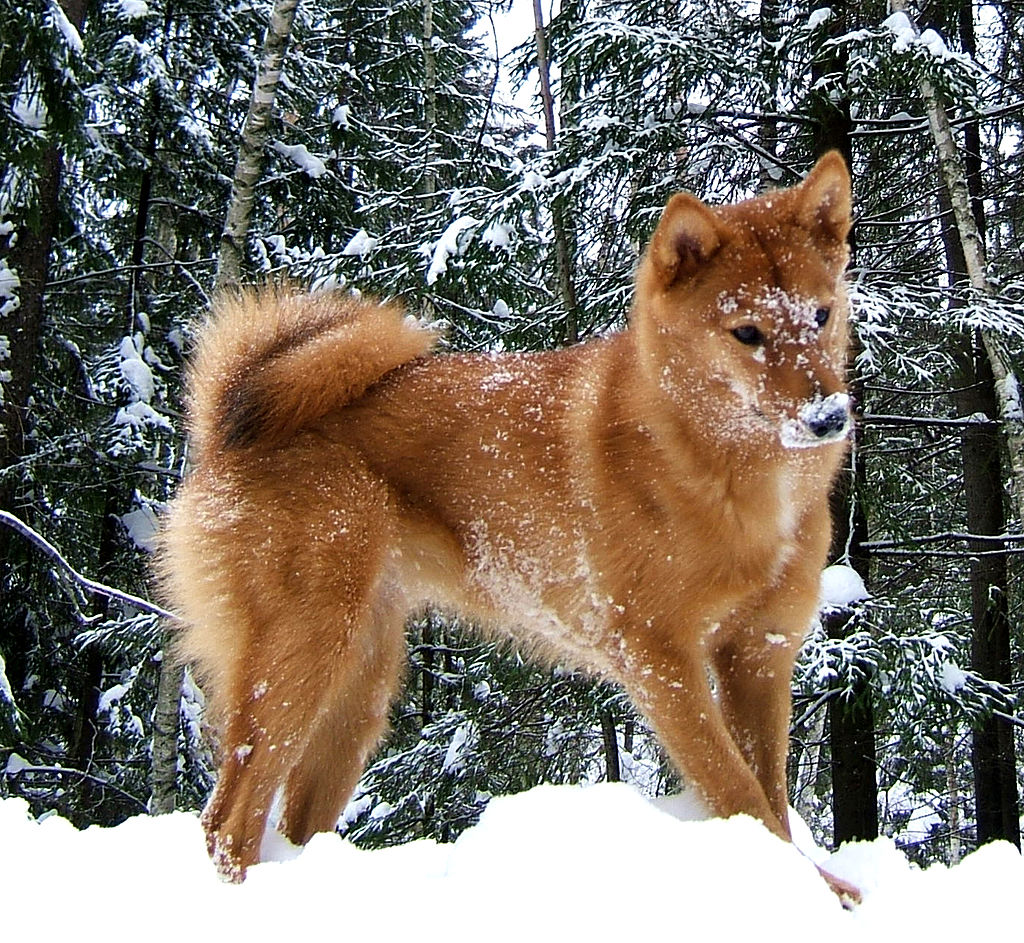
{"x":92,"y":586}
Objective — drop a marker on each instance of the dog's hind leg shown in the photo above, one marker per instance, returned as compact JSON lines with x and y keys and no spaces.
{"x":304,"y":597}
{"x":254,"y":755}
{"x":354,"y":719}
{"x":282,"y":726}
{"x":269,"y":734}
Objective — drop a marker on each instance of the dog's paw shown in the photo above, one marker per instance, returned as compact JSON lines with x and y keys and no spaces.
{"x":849,"y":894}
{"x":224,"y":859}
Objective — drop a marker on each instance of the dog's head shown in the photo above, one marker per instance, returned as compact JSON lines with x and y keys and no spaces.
{"x":741,"y":311}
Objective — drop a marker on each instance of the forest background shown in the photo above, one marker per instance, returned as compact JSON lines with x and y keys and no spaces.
{"x":408,"y":154}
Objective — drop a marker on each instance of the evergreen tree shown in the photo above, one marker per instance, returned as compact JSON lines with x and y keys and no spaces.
{"x":395,"y":167}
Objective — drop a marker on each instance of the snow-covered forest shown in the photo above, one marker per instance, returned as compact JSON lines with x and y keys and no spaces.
{"x":502,"y":174}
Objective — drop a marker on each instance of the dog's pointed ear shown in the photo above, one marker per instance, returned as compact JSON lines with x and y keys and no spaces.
{"x":688,"y":235}
{"x":825,"y":199}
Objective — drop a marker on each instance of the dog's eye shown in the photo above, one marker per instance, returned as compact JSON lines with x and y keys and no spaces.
{"x":821,"y":316}
{"x":748,"y":334}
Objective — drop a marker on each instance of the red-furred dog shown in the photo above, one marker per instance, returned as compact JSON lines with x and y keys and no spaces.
{"x":649,"y":506}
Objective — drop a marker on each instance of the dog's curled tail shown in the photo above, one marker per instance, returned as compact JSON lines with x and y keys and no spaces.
{"x":270,"y":363}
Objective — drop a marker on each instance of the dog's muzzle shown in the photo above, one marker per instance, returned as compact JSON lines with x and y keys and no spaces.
{"x":818,"y":423}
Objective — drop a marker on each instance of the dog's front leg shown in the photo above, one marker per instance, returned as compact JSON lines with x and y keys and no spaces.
{"x":669,"y":682}
{"x":753,"y":667}
{"x":753,"y":658}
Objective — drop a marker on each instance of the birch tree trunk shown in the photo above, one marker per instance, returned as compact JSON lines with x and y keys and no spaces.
{"x":164,"y":769}
{"x":255,"y":134}
{"x":248,"y":169}
{"x":993,"y":750}
{"x":954,"y":177}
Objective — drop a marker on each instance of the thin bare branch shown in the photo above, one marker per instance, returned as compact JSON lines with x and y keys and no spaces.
{"x":92,"y":586}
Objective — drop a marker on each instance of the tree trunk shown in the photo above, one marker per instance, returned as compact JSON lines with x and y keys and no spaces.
{"x":954,"y":178}
{"x":255,"y":134}
{"x":611,"y":747}
{"x":86,"y":728}
{"x":992,"y":753}
{"x":142,"y":216}
{"x":559,"y":222}
{"x":854,"y":785}
{"x":851,"y":720}
{"x":429,"y":186}
{"x":953,"y":800}
{"x":427,"y":670}
{"x":164,"y":771}
{"x":29,"y":259}
{"x":991,"y":388}
{"x":768,"y":129}
{"x":429,"y":103}
{"x":83,"y":741}
{"x":27,"y":254}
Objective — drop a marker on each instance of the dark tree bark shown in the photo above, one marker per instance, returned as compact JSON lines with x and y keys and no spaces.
{"x":427,"y":670}
{"x":559,"y":218}
{"x":83,"y":745}
{"x":851,"y":719}
{"x":611,"y":747}
{"x":142,"y":214}
{"x":992,"y":751}
{"x":163,"y":774}
{"x":768,"y":132}
{"x":29,"y":258}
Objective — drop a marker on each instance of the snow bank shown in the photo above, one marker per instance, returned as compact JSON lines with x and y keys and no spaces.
{"x":596,"y":863}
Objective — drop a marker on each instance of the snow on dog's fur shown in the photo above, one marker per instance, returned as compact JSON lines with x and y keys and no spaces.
{"x":647,"y":506}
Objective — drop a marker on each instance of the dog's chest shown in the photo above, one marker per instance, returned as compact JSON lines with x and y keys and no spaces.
{"x":544,"y":587}
{"x":788,"y":507}
{"x":741,"y":538}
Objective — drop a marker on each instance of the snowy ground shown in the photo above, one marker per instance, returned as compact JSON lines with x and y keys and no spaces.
{"x":556,"y":863}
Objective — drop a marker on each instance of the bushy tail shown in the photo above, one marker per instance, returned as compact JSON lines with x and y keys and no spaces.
{"x":272,"y":362}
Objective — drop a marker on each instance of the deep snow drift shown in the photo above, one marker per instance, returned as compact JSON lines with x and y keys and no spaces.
{"x":556,"y":863}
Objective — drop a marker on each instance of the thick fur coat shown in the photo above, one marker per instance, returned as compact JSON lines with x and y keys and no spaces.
{"x":650,"y":506}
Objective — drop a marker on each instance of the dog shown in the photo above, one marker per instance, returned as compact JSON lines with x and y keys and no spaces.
{"x":650,"y":506}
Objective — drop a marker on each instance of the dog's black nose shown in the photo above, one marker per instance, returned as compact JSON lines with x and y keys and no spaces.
{"x":829,"y":417}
